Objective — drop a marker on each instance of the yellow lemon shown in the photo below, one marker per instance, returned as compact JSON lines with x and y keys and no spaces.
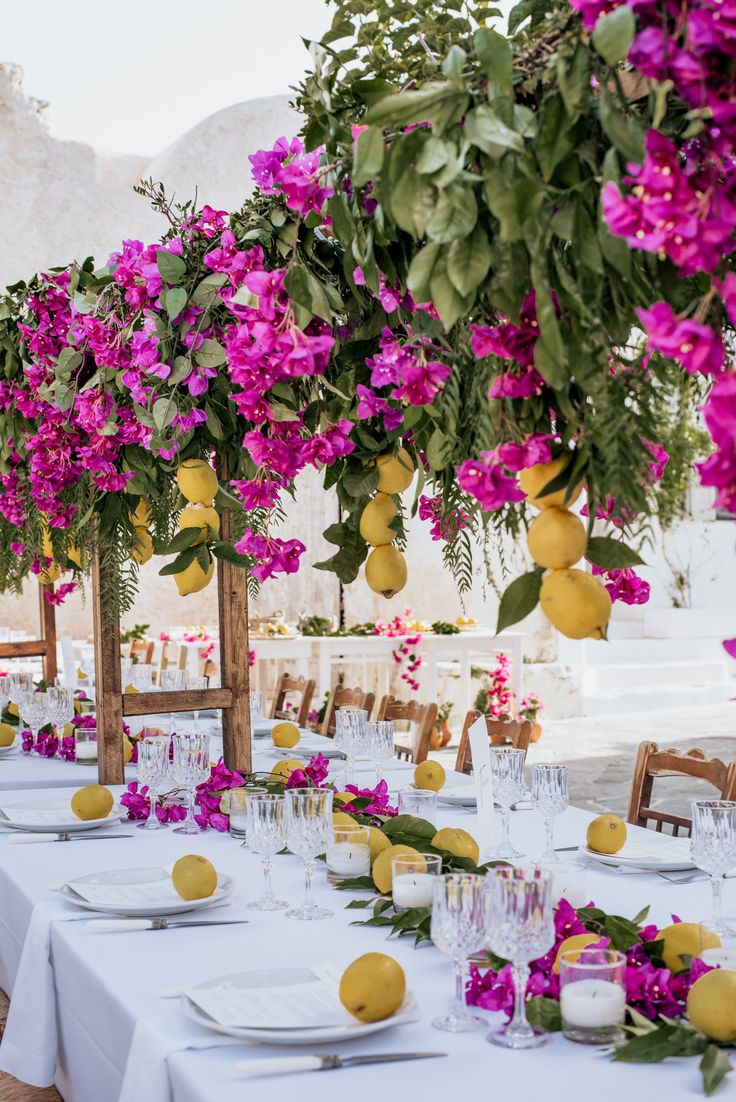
{"x":7,"y":734}
{"x":379,"y":842}
{"x":193,"y":578}
{"x":685,"y":939}
{"x":141,"y":515}
{"x":382,"y":872}
{"x":194,"y":877}
{"x":386,"y":571}
{"x":373,"y":987}
{"x":534,"y":479}
{"x":556,"y":538}
{"x":711,"y":1005}
{"x":341,"y":818}
{"x":395,"y":472}
{"x":127,"y":750}
{"x":74,"y":555}
{"x":197,"y":481}
{"x":342,"y":797}
{"x":284,"y":768}
{"x":285,"y":734}
{"x":577,"y":941}
{"x":375,"y":520}
{"x":92,"y":802}
{"x":606,"y":834}
{"x":430,"y":774}
{"x":142,"y":548}
{"x":13,"y":709}
{"x":576,"y":603}
{"x":203,"y":517}
{"x":457,"y":842}
{"x":67,"y":730}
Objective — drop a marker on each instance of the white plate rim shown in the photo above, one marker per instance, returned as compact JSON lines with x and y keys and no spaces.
{"x":295,"y":1036}
{"x":225,"y":885}
{"x":663,"y":865}
{"x":117,"y":814}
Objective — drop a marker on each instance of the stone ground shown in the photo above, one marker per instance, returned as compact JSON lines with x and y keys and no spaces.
{"x":600,"y":752}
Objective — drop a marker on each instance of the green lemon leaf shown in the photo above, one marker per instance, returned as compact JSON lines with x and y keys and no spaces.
{"x":171,"y":267}
{"x":614,"y":33}
{"x":519,"y":599}
{"x":714,"y":1066}
{"x":468,"y":261}
{"x":611,"y":554}
{"x":367,"y":156}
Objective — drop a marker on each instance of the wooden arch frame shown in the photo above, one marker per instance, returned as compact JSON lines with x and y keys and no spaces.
{"x":45,"y":646}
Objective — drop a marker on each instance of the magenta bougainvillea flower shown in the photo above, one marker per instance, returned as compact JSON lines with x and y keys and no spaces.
{"x":624,"y":585}
{"x":696,"y":347}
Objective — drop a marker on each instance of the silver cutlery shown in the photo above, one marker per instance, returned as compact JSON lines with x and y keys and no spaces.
{"x":285,"y":1065}
{"x":64,"y":836}
{"x":111,"y":925}
{"x":565,"y":849}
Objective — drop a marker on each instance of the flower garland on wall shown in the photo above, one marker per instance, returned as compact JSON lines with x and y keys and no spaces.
{"x":458,"y":260}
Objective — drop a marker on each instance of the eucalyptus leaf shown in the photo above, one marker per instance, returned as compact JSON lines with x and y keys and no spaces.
{"x":468,"y":261}
{"x":210,"y":354}
{"x":367,"y":156}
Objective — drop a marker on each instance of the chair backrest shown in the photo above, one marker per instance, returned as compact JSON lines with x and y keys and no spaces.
{"x":652,"y":762}
{"x":173,"y":656}
{"x":423,"y":716}
{"x":342,"y":697}
{"x":141,"y":650}
{"x":502,"y":730}
{"x":287,"y":685}
{"x":208,"y":668}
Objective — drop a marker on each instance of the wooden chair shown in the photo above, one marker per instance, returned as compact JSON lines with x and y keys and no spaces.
{"x":503,"y":727}
{"x":423,"y":716}
{"x":344,"y":698}
{"x":286,"y":685}
{"x":141,"y":650}
{"x":652,"y":762}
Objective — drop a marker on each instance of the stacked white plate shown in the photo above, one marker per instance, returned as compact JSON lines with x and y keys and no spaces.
{"x":52,"y":814}
{"x":655,"y":853}
{"x":137,"y":893}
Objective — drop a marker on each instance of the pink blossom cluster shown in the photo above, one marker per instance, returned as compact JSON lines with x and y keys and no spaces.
{"x":378,"y":797}
{"x":624,"y":585}
{"x":650,"y":989}
{"x":445,"y":523}
{"x":313,"y":775}
{"x":515,"y":343}
{"x":288,"y":170}
{"x":489,"y":479}
{"x":719,"y":469}
{"x":497,"y":694}
{"x":271,"y":555}
{"x":407,"y":365}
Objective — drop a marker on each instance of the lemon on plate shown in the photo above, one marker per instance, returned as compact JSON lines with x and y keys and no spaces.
{"x":373,"y":987}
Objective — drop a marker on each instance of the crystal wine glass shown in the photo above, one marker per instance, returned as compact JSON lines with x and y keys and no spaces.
{"x":380,"y":739}
{"x":308,"y":830}
{"x":61,"y":706}
{"x":713,"y":849}
{"x":507,"y":770}
{"x":5,"y":691}
{"x":459,"y":920}
{"x":520,"y":928}
{"x":265,"y":816}
{"x":350,"y":725}
{"x":549,"y":795}
{"x":190,"y":767}
{"x":153,"y":763}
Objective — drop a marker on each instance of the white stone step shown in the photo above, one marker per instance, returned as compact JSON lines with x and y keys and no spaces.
{"x":646,"y":673}
{"x":654,"y":698}
{"x":651,"y":651}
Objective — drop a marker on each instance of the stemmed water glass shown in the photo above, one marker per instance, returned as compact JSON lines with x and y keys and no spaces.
{"x":549,"y":795}
{"x":507,"y":770}
{"x":60,"y":706}
{"x":308,"y":830}
{"x":5,"y":692}
{"x":153,"y":764}
{"x":265,"y":816}
{"x":713,"y":849}
{"x":459,"y":920}
{"x":190,"y":767}
{"x":520,"y":928}
{"x":350,"y":730}
{"x":380,"y":744}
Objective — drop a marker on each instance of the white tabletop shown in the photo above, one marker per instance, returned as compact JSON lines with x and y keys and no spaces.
{"x":106,"y":983}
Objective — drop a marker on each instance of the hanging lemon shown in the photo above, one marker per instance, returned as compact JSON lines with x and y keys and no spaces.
{"x":203,"y":517}
{"x":197,"y":481}
{"x":375,"y":520}
{"x":534,"y":479}
{"x":576,"y":603}
{"x":193,"y":578}
{"x":386,"y":571}
{"x":142,"y":548}
{"x":395,"y":472}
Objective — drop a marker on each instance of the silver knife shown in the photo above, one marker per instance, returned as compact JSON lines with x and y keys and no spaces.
{"x":64,"y":836}
{"x":111,"y":925}
{"x":285,"y":1065}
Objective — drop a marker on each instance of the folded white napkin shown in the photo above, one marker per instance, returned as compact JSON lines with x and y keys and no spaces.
{"x":156,"y":1038}
{"x":30,"y":1040}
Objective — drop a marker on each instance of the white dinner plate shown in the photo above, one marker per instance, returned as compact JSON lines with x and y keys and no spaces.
{"x":278,"y":977}
{"x":658,"y":854}
{"x":126,"y":879}
{"x":463,"y":796}
{"x":53,"y":814}
{"x":304,"y":750}
{"x":5,"y":750}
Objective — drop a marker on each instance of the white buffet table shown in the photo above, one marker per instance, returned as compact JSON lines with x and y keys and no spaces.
{"x":106,"y":984}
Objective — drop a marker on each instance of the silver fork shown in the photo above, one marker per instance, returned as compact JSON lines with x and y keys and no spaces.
{"x":677,"y":878}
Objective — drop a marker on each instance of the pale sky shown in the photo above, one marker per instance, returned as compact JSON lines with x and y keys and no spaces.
{"x":133,"y":77}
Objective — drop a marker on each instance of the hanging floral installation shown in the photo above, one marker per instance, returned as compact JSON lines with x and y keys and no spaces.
{"x":503,"y":262}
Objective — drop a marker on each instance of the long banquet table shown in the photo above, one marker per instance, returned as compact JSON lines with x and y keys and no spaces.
{"x":119,"y":1039}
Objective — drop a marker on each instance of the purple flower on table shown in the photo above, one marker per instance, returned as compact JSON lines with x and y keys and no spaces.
{"x":378,"y":797}
{"x":26,"y":741}
{"x":67,"y":748}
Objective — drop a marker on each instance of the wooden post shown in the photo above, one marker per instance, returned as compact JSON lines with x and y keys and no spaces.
{"x":45,"y":646}
{"x":232,"y":600}
{"x":108,"y":688}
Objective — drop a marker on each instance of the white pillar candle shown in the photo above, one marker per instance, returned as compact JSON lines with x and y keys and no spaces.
{"x":413,"y":889}
{"x":86,"y":751}
{"x":591,"y":1004}
{"x":345,"y":859}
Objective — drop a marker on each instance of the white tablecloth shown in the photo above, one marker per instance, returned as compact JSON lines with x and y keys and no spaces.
{"x":107,"y":983}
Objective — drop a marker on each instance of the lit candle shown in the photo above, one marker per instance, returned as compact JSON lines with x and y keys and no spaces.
{"x":345,"y":860}
{"x":592,"y":1004}
{"x":413,"y":889}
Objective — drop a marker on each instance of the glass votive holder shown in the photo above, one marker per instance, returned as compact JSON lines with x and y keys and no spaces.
{"x":569,"y":881}
{"x":413,"y":878}
{"x":236,"y":803}
{"x":348,"y":852}
{"x":85,"y":745}
{"x":593,"y":995}
{"x":421,"y":802}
